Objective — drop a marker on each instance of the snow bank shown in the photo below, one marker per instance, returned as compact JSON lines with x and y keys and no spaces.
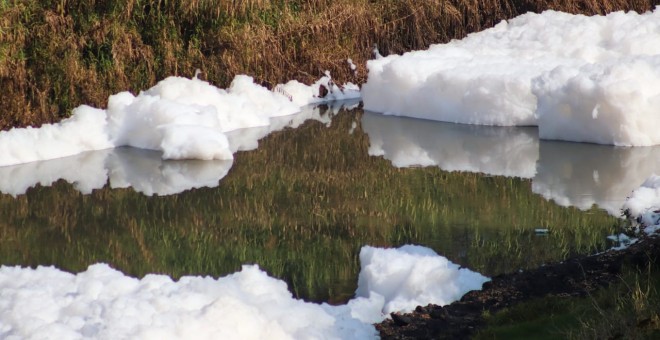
{"x":180,"y":117}
{"x":587,"y":79}
{"x":84,"y":131}
{"x":411,"y":276}
{"x":617,"y":102}
{"x":144,"y":170}
{"x":103,"y":303}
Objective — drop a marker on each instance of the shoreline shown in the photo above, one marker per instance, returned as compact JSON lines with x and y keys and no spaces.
{"x":575,"y":277}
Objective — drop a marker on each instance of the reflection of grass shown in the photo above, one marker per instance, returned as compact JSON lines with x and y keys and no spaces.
{"x":628,"y":309}
{"x":300,"y":206}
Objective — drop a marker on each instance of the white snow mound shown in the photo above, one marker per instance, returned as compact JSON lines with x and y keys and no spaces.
{"x":103,"y":303}
{"x":586,"y":79}
{"x":180,"y":117}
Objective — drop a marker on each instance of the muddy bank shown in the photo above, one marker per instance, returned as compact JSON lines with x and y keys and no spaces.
{"x":575,"y":277}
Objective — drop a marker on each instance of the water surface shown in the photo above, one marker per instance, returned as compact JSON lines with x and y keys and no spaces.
{"x":303,"y":203}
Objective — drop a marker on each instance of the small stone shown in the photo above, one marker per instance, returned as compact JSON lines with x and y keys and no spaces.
{"x":438,"y":313}
{"x":401,"y":320}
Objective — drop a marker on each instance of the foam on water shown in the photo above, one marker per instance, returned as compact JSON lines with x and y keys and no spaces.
{"x":585,"y":79}
{"x":145,"y":171}
{"x":103,"y":303}
{"x":181,"y":118}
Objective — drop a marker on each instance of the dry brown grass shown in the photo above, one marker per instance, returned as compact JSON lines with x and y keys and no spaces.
{"x":58,"y":54}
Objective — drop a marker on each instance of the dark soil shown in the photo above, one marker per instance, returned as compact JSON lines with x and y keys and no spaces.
{"x":575,"y":277}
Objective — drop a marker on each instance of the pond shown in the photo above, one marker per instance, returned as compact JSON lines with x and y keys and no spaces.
{"x":304,"y":202}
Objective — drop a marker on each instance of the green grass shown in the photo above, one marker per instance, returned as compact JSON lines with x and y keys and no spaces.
{"x":629,"y":308}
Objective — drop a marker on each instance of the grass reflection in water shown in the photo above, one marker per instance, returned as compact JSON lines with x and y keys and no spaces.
{"x":300,"y":206}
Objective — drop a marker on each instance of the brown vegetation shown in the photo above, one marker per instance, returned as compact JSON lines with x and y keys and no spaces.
{"x":58,"y":54}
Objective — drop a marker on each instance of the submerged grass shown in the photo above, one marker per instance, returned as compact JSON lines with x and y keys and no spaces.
{"x":301,"y":206}
{"x":58,"y":54}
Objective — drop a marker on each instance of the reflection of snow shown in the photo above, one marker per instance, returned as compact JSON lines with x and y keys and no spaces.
{"x":571,"y":174}
{"x":103,"y":303}
{"x":144,"y":170}
{"x":86,"y":171}
{"x":581,"y":175}
{"x":453,"y":147}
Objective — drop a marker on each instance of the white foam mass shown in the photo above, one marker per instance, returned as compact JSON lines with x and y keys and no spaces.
{"x":586,"y":79}
{"x":411,"y":276}
{"x":144,"y":170}
{"x":103,"y":303}
{"x":84,"y":131}
{"x":645,"y":198}
{"x":644,"y":204}
{"x":181,"y":118}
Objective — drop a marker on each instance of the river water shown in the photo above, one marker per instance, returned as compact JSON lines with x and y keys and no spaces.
{"x":303,"y":203}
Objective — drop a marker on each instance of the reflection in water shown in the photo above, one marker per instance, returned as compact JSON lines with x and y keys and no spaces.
{"x":144,"y":170}
{"x":248,"y":139}
{"x":581,"y":175}
{"x":571,"y":174}
{"x":452,"y":147}
{"x":86,"y":171}
{"x":301,"y":206}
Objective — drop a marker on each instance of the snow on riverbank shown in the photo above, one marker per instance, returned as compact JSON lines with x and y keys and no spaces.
{"x":585,"y":79}
{"x":104,"y":303}
{"x":180,"y":117}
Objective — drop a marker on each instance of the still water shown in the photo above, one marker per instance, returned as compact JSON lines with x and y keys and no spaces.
{"x":303,"y":203}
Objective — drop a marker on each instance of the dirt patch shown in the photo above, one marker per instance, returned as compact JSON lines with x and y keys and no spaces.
{"x":575,"y":277}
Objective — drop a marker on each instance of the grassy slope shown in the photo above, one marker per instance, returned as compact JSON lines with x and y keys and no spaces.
{"x":56,"y":55}
{"x":629,"y":309}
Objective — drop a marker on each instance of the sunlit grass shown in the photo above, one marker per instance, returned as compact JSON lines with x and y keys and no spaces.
{"x":58,"y":54}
